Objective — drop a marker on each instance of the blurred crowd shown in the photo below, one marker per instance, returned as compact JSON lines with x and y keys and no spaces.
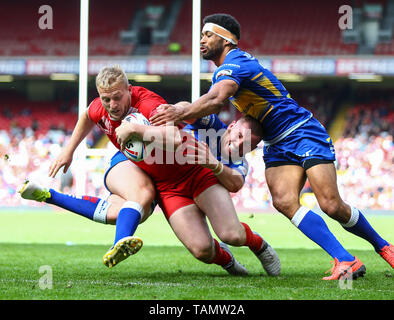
{"x":26,"y":156}
{"x":364,"y":163}
{"x":366,"y":150}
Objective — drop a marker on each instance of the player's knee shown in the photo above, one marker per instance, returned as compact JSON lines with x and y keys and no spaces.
{"x":233,"y":237}
{"x":144,"y":193}
{"x":202,"y":251}
{"x":332,"y":207}
{"x":285,"y":204}
{"x":148,"y":193}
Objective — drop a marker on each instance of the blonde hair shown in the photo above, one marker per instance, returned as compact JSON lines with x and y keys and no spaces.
{"x":110,"y":76}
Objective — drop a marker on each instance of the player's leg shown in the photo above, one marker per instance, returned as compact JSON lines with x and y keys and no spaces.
{"x":323,"y":180}
{"x":93,"y":208}
{"x":106,"y":213}
{"x":285,"y":184}
{"x":116,"y":203}
{"x":130,"y":183}
{"x":124,"y":179}
{"x":216,"y":202}
{"x":190,"y":226}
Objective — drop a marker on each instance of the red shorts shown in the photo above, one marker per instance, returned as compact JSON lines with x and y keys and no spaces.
{"x":179,"y":194}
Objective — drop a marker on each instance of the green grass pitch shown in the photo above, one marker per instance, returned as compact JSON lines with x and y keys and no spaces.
{"x":32,"y":242}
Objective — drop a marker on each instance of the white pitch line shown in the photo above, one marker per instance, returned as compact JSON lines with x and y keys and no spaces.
{"x":168,"y":284}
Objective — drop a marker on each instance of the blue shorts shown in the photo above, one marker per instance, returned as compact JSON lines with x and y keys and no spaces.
{"x":306,"y":146}
{"x":116,"y":158}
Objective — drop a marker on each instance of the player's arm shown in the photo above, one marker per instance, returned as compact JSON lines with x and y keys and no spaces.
{"x":199,"y":152}
{"x":211,"y":102}
{"x":82,"y":128}
{"x":165,"y":137}
{"x":184,"y":104}
{"x":230,"y":178}
{"x":166,"y":106}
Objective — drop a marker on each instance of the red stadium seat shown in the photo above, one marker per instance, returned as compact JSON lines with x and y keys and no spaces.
{"x":281,"y":27}
{"x":27,"y":39}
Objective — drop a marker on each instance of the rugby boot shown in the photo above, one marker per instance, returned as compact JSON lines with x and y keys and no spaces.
{"x":233,"y":267}
{"x":346,"y":270}
{"x":122,"y":249}
{"x":32,"y":191}
{"x":387,"y":253}
{"x":269,"y":259}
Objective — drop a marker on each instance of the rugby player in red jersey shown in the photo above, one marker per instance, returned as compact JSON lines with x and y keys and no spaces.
{"x":185,"y":192}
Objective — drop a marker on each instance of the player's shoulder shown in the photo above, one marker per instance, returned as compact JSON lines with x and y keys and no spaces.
{"x":95,"y":103}
{"x":145,"y":101}
{"x":239,"y":57}
{"x":238,"y":65}
{"x":96,"y":109}
{"x":141,"y":93}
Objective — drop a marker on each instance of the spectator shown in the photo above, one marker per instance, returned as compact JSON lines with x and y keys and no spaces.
{"x":364,"y":161}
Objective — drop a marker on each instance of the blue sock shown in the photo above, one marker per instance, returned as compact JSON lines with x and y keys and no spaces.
{"x":90,"y":207}
{"x":128,"y":219}
{"x":315,"y":228}
{"x":359,"y":226}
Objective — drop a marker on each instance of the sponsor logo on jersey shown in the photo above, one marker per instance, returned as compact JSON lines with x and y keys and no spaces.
{"x":226,"y":72}
{"x":105,"y":125}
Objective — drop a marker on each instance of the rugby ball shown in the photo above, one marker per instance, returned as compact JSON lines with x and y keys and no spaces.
{"x":135,"y":149}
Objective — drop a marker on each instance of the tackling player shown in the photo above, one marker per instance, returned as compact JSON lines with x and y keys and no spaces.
{"x":178,"y":188}
{"x":296,"y":145}
{"x":184,"y":211}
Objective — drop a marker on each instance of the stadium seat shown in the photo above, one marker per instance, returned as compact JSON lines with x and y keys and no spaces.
{"x":27,"y":39}
{"x":281,"y":27}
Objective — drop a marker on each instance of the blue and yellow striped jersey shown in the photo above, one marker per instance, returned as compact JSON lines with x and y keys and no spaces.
{"x":261,"y":95}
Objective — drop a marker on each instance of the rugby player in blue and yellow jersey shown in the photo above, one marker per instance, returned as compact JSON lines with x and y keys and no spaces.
{"x":296,"y":146}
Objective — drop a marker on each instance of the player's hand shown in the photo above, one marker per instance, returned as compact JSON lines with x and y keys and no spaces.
{"x":125,"y":132}
{"x":63,"y":160}
{"x":167,"y":113}
{"x":199,"y":152}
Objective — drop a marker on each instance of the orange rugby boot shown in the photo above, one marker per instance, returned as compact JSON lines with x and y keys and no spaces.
{"x":387,"y":253}
{"x":346,"y":270}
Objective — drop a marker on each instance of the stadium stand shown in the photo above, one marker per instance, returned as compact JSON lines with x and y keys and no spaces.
{"x":385,"y":48}
{"x":371,"y":156}
{"x":41,"y":116}
{"x":32,"y":132}
{"x":301,"y":31}
{"x":27,"y":39}
{"x":365,"y":149}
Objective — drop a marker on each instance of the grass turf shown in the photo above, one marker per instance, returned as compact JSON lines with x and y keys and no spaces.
{"x":73,"y":247}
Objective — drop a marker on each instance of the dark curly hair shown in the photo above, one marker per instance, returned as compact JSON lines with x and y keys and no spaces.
{"x":226,"y":21}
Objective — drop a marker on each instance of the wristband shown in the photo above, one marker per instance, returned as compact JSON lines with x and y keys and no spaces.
{"x":220,"y":170}
{"x":217,"y":167}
